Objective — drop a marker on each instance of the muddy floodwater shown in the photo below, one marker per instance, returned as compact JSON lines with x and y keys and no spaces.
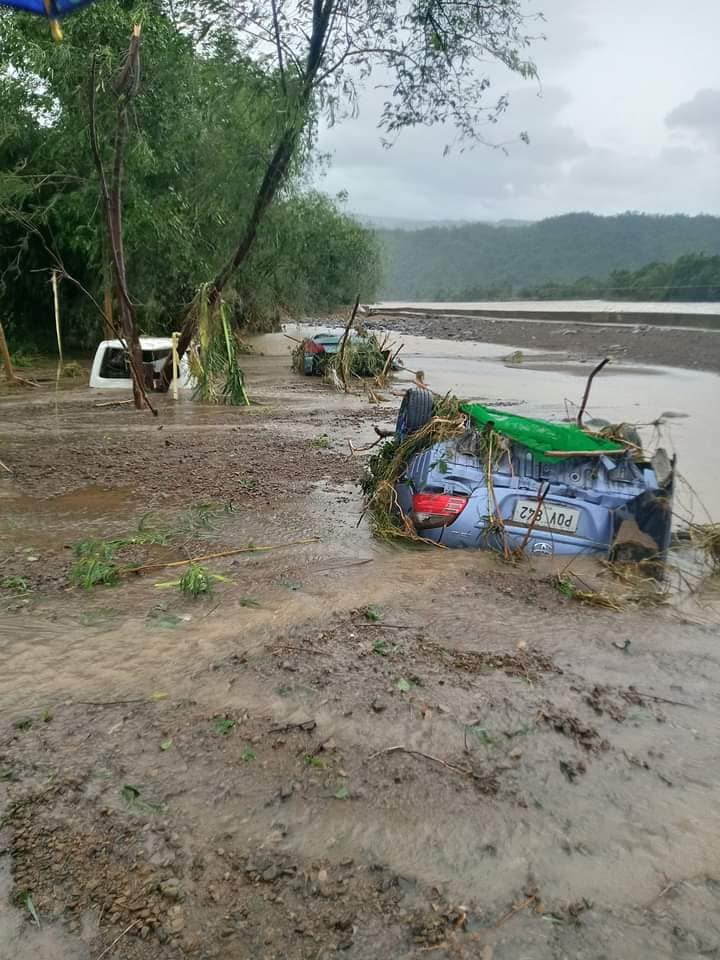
{"x":347,"y":747}
{"x":550,"y":386}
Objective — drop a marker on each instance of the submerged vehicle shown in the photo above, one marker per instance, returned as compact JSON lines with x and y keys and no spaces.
{"x":317,"y":350}
{"x":111,"y":368}
{"x":547,"y":488}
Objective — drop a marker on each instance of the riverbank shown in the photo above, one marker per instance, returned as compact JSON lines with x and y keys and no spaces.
{"x":638,"y":343}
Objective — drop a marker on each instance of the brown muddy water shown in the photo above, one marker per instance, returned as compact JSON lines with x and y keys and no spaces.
{"x":349,"y":746}
{"x":550,"y":386}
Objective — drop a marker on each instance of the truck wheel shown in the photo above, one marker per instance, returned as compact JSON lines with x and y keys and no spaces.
{"x":415,"y":411}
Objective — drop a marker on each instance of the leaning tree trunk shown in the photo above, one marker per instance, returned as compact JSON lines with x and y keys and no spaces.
{"x":271,"y":183}
{"x":275,"y":174}
{"x":125,"y":85}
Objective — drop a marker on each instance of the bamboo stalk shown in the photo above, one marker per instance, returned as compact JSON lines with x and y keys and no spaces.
{"x":216,"y":556}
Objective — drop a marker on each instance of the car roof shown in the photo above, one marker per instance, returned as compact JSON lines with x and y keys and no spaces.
{"x":146,"y":343}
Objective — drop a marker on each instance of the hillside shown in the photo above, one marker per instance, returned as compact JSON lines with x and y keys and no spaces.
{"x":479,"y":261}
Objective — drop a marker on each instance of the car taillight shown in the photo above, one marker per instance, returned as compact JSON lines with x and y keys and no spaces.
{"x":436,"y":509}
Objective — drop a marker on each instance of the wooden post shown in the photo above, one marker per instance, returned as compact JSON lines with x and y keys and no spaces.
{"x":5,"y":354}
{"x":175,"y":338}
{"x":56,"y":304}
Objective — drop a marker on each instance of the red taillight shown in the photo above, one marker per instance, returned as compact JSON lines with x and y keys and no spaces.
{"x":436,"y":509}
{"x":312,"y":346}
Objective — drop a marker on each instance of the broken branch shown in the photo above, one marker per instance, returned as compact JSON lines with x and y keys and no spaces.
{"x":401,"y":748}
{"x":216,"y":556}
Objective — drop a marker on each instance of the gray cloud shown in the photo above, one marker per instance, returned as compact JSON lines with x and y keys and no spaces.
{"x":700,"y":116}
{"x":611,"y":127}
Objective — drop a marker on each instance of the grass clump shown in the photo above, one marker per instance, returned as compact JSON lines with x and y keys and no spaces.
{"x":96,"y":560}
{"x":95,"y":564}
{"x":196,"y":581}
{"x":19,"y":585}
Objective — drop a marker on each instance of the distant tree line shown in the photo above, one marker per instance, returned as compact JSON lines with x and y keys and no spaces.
{"x":632,"y":255}
{"x":693,"y":277}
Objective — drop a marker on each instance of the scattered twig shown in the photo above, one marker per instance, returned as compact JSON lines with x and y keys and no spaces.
{"x":401,"y":748}
{"x":114,"y":403}
{"x":110,"y":703}
{"x":666,"y":889}
{"x":223,"y":553}
{"x":675,"y":703}
{"x":354,"y":449}
{"x":5,"y":467}
{"x":343,"y":566}
{"x":390,"y":626}
{"x":117,"y":939}
{"x":516,"y":909}
{"x":302,"y":649}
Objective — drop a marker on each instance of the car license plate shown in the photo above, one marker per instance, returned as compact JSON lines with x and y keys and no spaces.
{"x":552,"y":516}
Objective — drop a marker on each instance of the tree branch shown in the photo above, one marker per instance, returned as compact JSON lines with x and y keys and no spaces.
{"x":278,"y":44}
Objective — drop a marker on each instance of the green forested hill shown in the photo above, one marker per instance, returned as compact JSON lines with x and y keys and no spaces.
{"x":479,"y":261}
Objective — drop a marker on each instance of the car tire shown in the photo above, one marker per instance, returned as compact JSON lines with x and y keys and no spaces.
{"x":415,"y":411}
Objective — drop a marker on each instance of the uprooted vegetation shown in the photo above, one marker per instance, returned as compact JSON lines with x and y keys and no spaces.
{"x":706,"y":536}
{"x":104,"y":562}
{"x":387,"y":466}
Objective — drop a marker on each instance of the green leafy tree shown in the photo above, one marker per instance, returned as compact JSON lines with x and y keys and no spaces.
{"x":432,"y":52}
{"x":202,"y":129}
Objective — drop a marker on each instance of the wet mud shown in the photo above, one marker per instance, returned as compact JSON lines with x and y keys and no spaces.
{"x":349,"y":748}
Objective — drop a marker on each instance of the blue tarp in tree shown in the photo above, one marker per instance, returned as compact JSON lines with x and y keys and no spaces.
{"x":52,"y":9}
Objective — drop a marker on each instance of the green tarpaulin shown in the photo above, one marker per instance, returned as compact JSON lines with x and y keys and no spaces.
{"x":539,"y":436}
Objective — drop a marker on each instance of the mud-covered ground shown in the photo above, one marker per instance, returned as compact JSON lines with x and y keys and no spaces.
{"x":348,"y":748}
{"x":639,"y":343}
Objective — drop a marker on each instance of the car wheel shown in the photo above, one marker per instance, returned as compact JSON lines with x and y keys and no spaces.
{"x":415,"y":411}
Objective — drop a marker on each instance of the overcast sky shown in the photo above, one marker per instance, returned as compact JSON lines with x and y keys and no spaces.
{"x":627,"y":117}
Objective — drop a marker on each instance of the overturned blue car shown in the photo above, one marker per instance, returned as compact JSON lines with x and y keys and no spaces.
{"x":506,"y":482}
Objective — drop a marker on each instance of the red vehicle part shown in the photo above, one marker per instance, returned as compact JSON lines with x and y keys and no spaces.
{"x":436,"y":509}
